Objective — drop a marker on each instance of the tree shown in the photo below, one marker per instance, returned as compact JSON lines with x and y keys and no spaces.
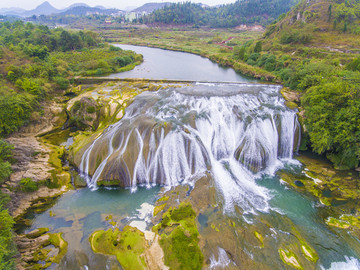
{"x":258,"y":47}
{"x":329,"y":12}
{"x":239,"y":52}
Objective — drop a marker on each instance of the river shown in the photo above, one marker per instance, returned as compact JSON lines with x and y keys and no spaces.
{"x":165,"y":64}
{"x":238,"y":133}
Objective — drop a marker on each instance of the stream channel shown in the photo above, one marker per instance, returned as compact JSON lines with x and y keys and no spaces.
{"x":236,"y":130}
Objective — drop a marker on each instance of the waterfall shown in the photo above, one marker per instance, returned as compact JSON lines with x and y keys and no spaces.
{"x":234,"y":132}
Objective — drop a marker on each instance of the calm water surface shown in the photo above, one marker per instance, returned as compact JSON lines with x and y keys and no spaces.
{"x":165,"y":64}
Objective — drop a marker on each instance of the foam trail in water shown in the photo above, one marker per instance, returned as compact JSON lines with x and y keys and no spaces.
{"x":350,"y":263}
{"x":221,"y":262}
{"x":169,"y":137}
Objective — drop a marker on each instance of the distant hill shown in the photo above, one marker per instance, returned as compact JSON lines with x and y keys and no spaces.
{"x":47,"y":9}
{"x":101,"y":7}
{"x":84,"y":10}
{"x":130,"y":8}
{"x":76,"y":5}
{"x":44,"y":9}
{"x":230,"y":15}
{"x":11,"y":11}
{"x":150,"y":7}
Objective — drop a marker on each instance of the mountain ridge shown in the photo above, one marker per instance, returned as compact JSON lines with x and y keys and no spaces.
{"x":46,"y":8}
{"x":150,"y":7}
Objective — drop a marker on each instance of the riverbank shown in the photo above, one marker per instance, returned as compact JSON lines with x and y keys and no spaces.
{"x":203,"y":44}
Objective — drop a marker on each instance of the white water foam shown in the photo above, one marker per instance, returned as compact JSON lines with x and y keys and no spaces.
{"x":350,"y":263}
{"x":222,"y":260}
{"x":143,"y":218}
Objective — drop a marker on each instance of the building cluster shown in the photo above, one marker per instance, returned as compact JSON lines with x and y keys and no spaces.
{"x":131,"y":16}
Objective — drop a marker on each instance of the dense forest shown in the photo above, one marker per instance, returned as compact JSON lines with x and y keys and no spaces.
{"x":231,"y":15}
{"x":36,"y":63}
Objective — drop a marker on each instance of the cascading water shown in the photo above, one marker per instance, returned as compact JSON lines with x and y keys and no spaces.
{"x":233,"y":131}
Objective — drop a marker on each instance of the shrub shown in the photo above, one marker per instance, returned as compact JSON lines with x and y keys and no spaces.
{"x":354,"y":65}
{"x":251,"y":62}
{"x":180,"y":242}
{"x":331,"y":110}
{"x":254,"y":56}
{"x":31,"y":87}
{"x":258,"y":47}
{"x":7,"y":244}
{"x":295,"y":36}
{"x":5,"y":150}
{"x":28,"y":185}
{"x":15,"y":111}
{"x":239,"y":53}
{"x":90,"y":109}
{"x":63,"y":83}
{"x":5,"y":171}
{"x":114,"y":48}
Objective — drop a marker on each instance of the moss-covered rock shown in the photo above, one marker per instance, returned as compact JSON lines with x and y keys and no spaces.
{"x":332,"y":187}
{"x":289,"y":258}
{"x":128,"y":246}
{"x":45,"y":250}
{"x":78,"y":181}
{"x":58,"y":241}
{"x":179,"y":238}
{"x":84,"y":113}
{"x":309,"y":253}
{"x":337,"y":223}
{"x":259,"y":237}
{"x":37,"y":232}
{"x":159,"y":208}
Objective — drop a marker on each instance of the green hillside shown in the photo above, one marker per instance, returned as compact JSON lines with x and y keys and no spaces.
{"x":315,"y":49}
{"x":230,"y":15}
{"x":334,"y":25}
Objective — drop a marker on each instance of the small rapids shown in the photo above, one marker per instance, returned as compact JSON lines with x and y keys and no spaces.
{"x":234,"y":132}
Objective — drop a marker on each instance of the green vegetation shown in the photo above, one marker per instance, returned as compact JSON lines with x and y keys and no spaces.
{"x":48,"y":255}
{"x":7,"y":245}
{"x":231,"y":15}
{"x":179,"y":238}
{"x":35,"y":61}
{"x":28,"y":185}
{"x":5,"y":158}
{"x":327,"y":75}
{"x":128,"y":246}
{"x":58,"y":241}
